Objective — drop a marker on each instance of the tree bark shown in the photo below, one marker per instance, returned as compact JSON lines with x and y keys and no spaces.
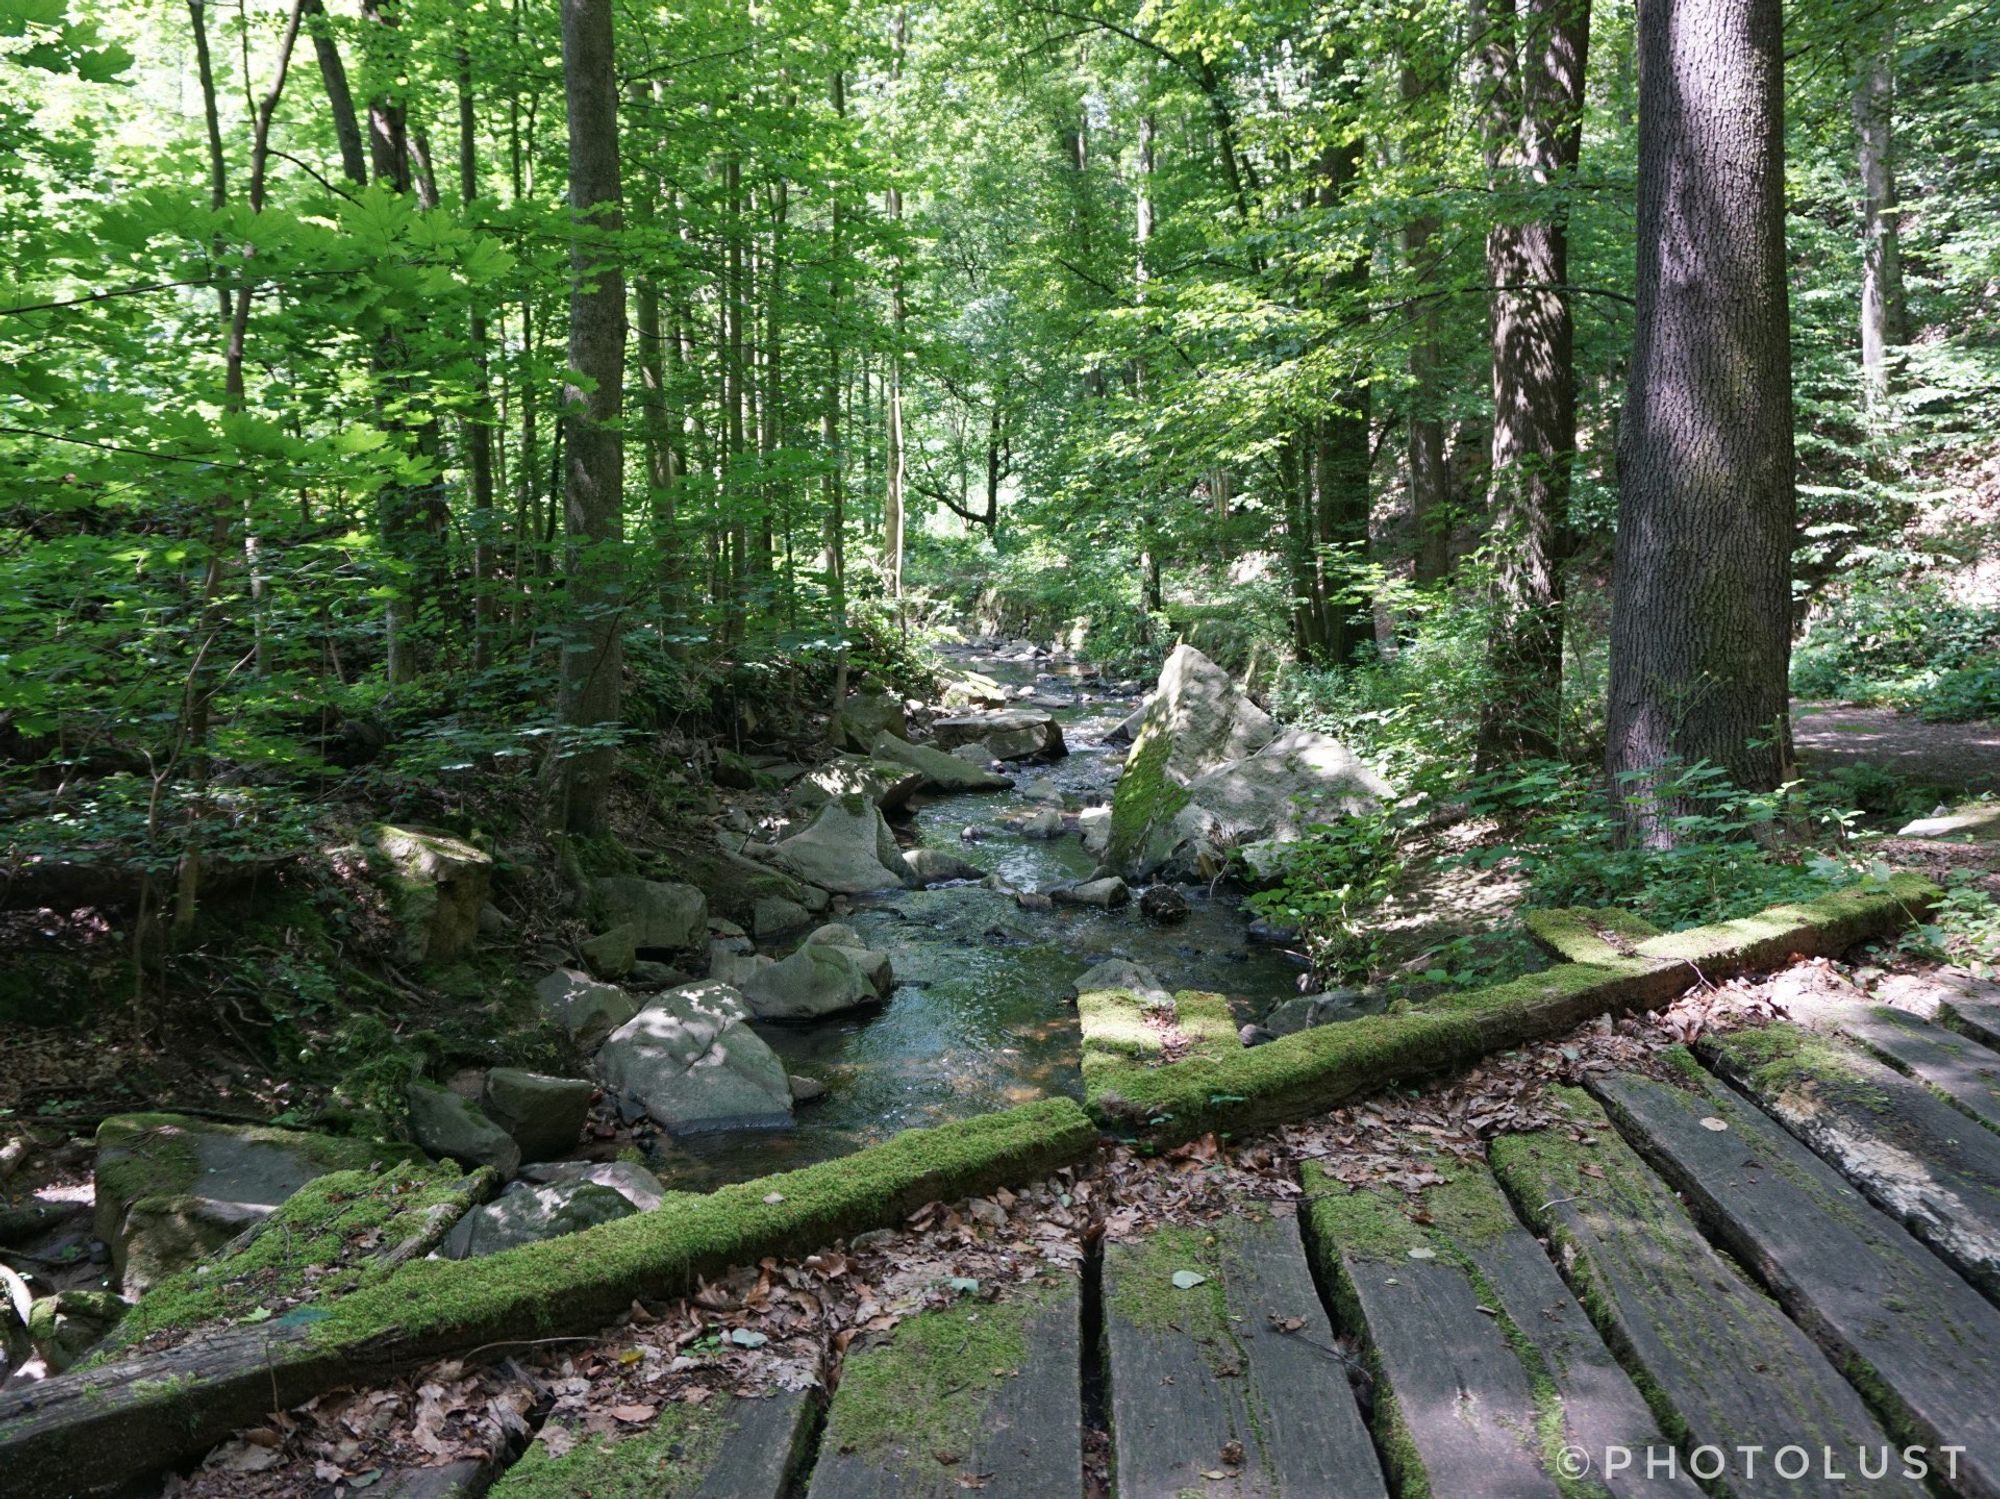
{"x":893,"y":494}
{"x":1884,"y":315}
{"x":1701,"y":621}
{"x":594,"y":477}
{"x":1534,"y":383}
{"x":479,"y":422}
{"x":339,"y":97}
{"x":1424,"y":429}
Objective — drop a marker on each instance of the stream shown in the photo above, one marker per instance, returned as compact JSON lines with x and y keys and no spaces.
{"x":980,"y":1018}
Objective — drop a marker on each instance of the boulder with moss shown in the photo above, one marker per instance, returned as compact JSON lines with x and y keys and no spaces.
{"x":866,"y":713}
{"x":564,"y":1198}
{"x":940,"y":771}
{"x":171,"y":1189}
{"x":437,"y":885}
{"x":544,"y":1115}
{"x":582,"y":1008}
{"x":664,"y":916}
{"x":450,"y":1126}
{"x":887,"y":783}
{"x":67,"y":1325}
{"x":820,"y":979}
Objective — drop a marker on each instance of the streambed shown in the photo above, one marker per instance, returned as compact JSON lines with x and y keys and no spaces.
{"x":980,"y":1018}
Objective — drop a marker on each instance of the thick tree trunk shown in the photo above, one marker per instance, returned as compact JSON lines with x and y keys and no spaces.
{"x":1534,"y":384}
{"x":595,"y":474}
{"x":1884,"y":316}
{"x":1701,"y":621}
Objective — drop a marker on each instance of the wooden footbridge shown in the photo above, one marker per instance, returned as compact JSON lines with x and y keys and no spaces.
{"x":1774,"y":1274}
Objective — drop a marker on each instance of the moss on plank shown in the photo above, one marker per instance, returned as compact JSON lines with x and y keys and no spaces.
{"x":581,"y":1280}
{"x":666,"y":1460}
{"x":1781,"y":1059}
{"x":1123,"y":1032}
{"x":1316,"y":1069}
{"x":909,"y":1403}
{"x":327,"y":1239}
{"x":1143,"y":1293}
{"x":1580,"y":934}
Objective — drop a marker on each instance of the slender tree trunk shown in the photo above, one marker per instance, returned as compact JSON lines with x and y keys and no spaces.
{"x":594,"y":478}
{"x":1884,"y":315}
{"x":479,"y":421}
{"x":1701,"y":621}
{"x":1424,"y":428}
{"x":339,"y":97}
{"x":1534,"y":382}
{"x":1340,"y":453}
{"x":893,"y":495}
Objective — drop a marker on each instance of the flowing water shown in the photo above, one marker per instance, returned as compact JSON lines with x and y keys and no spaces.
{"x":981,"y":1018}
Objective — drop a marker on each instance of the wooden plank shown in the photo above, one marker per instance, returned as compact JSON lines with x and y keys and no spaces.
{"x":1911,"y":1154}
{"x":1922,"y":1341}
{"x":1455,"y":1409}
{"x":1216,"y":1378}
{"x":1720,"y":1362}
{"x":982,"y":1397}
{"x":730,"y":1447}
{"x":1960,"y":1068}
{"x":1977,"y":1018}
{"x":1602,"y":1410}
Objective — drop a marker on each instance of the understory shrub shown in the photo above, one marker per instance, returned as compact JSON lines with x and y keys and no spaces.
{"x":1903,"y":646}
{"x":1328,"y":884}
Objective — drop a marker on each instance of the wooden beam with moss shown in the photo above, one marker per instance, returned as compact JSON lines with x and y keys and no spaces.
{"x":1907,"y":1150}
{"x":1915,"y":1338}
{"x":97,"y":1430}
{"x":1122,"y":1033}
{"x":1587,"y":934}
{"x":1487,"y":1367}
{"x":1314,"y":1070}
{"x":1718,"y":1362}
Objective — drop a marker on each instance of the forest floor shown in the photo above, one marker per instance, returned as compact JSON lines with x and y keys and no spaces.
{"x":1955,"y":756}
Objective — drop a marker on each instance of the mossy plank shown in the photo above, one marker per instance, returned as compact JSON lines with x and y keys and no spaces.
{"x":1718,"y":1362}
{"x":1922,"y":1342}
{"x":984,"y":1396}
{"x":1455,"y":1407}
{"x":1583,"y":934}
{"x":467,"y":1478}
{"x":1321,"y":1068}
{"x":76,"y":1433}
{"x":1909,"y":1152}
{"x":1977,"y":1018}
{"x":1960,"y":1068}
{"x":727,"y":1448}
{"x":1193,"y":1370}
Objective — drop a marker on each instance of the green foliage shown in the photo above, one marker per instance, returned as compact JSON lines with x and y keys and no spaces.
{"x":1733,"y":850}
{"x":1962,"y":928}
{"x":1328,"y":885}
{"x":1901,"y":645}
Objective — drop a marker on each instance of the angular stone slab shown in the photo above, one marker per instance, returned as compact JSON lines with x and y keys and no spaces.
{"x":1925,"y":1343}
{"x":982,"y":1397}
{"x":1913,"y":1155}
{"x":1720,"y":1361}
{"x":1196,"y":1369}
{"x":1957,"y":1066}
{"x":1573,"y":1378}
{"x":726,"y":1448}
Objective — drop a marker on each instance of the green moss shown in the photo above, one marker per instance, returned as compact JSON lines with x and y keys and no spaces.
{"x":1365,"y":1223}
{"x":667,"y":1460}
{"x":1147,"y":797}
{"x":1118,"y":1036}
{"x":586,"y":1279}
{"x":327,"y":1238}
{"x":926,"y":1390}
{"x":1780,"y":1058}
{"x":1317,"y":1069}
{"x":1143,"y":1293}
{"x":1588,"y":935}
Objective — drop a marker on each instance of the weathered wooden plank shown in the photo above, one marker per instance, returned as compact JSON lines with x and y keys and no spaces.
{"x":1923,"y":1342}
{"x":985,"y":1396}
{"x":727,"y":1448}
{"x":1977,"y":1018}
{"x":1455,"y":1407}
{"x":1237,"y":1376}
{"x":1720,"y":1362}
{"x":1914,"y":1156}
{"x":468,"y":1478}
{"x":1958,"y":1067}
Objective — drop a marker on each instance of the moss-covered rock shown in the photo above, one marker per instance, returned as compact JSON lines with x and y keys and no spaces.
{"x":65,"y":1326}
{"x":436,"y":885}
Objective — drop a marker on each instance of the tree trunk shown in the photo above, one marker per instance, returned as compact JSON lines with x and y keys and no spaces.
{"x":479,"y":421}
{"x":595,"y":474}
{"x":1884,"y":316}
{"x":1701,"y":621}
{"x":1430,"y":523}
{"x":1534,"y":382}
{"x":339,"y":97}
{"x":893,"y":495}
{"x":1340,"y":454}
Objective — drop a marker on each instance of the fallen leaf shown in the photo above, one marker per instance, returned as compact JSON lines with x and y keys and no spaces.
{"x":1187,"y":1280}
{"x":1423,"y":1254}
{"x":634,"y":1415}
{"x":1710,"y":1122}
